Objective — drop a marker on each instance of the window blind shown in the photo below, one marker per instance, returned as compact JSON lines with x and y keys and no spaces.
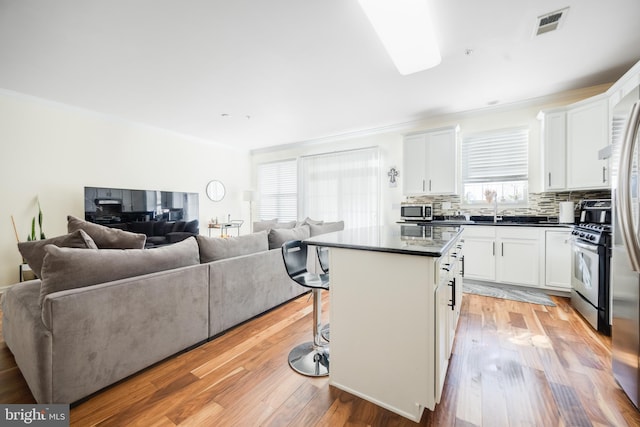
{"x":496,"y":156}
{"x":278,"y":190}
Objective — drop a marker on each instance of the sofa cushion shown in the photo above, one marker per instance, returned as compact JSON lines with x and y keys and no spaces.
{"x":326,"y":227}
{"x":156,"y":240}
{"x":191,"y":227}
{"x":70,"y":268}
{"x":178,"y":226}
{"x":160,"y":228}
{"x":288,"y":224}
{"x":215,"y":248}
{"x":264,"y":225}
{"x":144,"y":227}
{"x":33,"y":252}
{"x":277,"y":236}
{"x":105,"y":237}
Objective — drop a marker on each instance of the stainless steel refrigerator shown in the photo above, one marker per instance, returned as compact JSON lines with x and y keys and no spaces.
{"x":625,"y":261}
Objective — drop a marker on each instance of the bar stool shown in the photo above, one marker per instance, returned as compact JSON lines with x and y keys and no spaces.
{"x":323,"y":259}
{"x":310,"y":358}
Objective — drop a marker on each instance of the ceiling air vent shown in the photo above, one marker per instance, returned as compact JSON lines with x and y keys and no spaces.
{"x":550,"y":21}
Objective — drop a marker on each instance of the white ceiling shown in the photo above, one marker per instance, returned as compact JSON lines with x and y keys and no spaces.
{"x":301,"y":69}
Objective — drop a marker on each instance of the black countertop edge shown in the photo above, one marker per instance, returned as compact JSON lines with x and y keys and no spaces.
{"x":393,"y":243}
{"x":432,"y":254}
{"x":455,"y":223}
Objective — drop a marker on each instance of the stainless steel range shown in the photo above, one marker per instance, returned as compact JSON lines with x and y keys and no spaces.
{"x":590,"y":264}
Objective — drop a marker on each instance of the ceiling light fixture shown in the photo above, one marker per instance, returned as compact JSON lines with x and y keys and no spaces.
{"x":404,"y":27}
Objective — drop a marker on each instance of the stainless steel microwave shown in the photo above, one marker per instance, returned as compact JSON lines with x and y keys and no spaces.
{"x":418,"y":212}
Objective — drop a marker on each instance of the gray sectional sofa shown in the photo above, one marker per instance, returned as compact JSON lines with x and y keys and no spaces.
{"x":99,"y":315}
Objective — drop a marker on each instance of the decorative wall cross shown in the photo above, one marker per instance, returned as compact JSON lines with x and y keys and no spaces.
{"x":393,"y":172}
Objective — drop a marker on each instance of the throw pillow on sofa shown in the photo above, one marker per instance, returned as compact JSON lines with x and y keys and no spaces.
{"x":326,"y":227}
{"x":70,"y":268}
{"x":264,"y":225}
{"x":192,"y":227}
{"x":269,"y":225}
{"x":215,"y":248}
{"x":277,"y":236}
{"x":309,"y":221}
{"x":106,"y":237}
{"x":33,"y":252}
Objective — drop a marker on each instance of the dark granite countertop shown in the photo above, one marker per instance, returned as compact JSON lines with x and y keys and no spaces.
{"x":526,"y":221}
{"x":428,"y":240}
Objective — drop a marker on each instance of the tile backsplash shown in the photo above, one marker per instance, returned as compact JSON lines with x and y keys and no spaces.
{"x":540,"y":204}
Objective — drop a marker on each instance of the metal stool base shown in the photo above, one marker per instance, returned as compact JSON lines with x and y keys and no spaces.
{"x":325,"y":333}
{"x":310,"y":360}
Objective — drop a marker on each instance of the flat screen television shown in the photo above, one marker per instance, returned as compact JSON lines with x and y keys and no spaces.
{"x":118,"y":205}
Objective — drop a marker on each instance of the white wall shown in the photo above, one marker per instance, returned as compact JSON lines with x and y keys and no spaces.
{"x":390,"y":142}
{"x":52,"y":151}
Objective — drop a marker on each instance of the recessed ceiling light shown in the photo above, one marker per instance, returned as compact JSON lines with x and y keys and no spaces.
{"x":468,"y":52}
{"x":224,"y":115}
{"x":405,"y":30}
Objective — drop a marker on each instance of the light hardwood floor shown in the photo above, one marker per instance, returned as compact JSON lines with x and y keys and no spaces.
{"x":513,"y":364}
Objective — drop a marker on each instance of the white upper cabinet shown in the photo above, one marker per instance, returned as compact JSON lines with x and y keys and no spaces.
{"x":415,"y":165}
{"x":430,"y":162}
{"x":587,"y":133}
{"x":572,"y":138}
{"x":554,"y":134}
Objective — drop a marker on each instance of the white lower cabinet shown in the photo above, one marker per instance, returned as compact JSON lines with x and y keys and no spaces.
{"x":480,"y":247}
{"x":442,"y":297}
{"x":448,"y":299}
{"x":558,"y":259}
{"x":519,"y":255}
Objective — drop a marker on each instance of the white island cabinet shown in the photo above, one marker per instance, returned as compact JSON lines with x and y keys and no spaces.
{"x":394,"y":306}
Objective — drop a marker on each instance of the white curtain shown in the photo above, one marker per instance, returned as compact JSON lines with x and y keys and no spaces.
{"x":341,"y":186}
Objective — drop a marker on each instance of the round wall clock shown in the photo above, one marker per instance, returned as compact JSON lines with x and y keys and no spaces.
{"x":215,"y":190}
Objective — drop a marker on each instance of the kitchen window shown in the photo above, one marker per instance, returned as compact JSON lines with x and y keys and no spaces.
{"x":496,"y":162}
{"x":278,"y":190}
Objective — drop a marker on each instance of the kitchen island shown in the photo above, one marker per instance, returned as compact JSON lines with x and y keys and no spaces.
{"x":395,"y":298}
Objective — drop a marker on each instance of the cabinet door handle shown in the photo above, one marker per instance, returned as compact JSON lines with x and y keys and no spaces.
{"x":549,"y":179}
{"x":502,"y":246}
{"x":453,"y":294}
{"x":604,"y":179}
{"x":493,"y":244}
{"x":462,"y":266}
{"x":423,"y":185}
{"x":429,"y":185}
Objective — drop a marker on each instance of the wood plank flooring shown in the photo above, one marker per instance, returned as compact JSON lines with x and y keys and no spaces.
{"x":513,"y":364}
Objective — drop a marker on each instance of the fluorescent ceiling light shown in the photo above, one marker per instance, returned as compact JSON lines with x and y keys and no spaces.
{"x":404,"y":27}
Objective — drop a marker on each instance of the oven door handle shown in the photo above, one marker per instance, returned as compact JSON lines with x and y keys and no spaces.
{"x":585,"y":246}
{"x":624,"y":206}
